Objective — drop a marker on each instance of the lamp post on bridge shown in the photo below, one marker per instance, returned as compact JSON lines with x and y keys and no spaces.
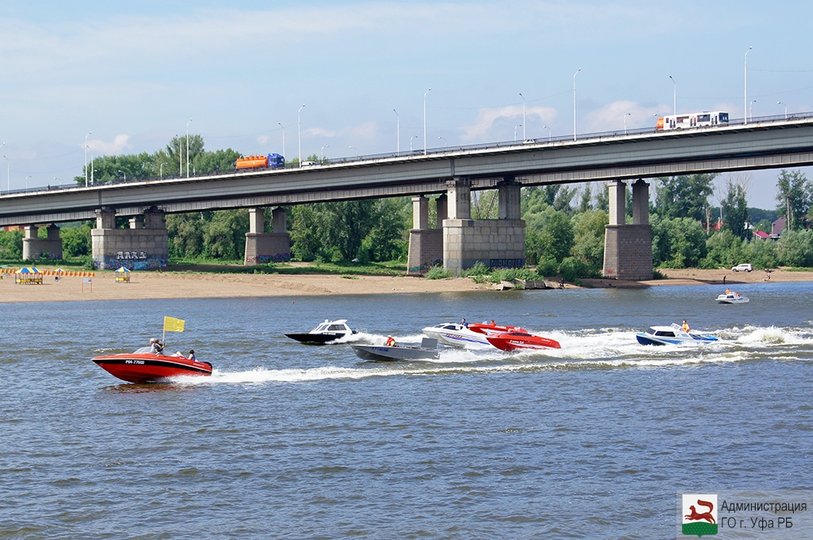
{"x":786,"y":108}
{"x":397,"y":132}
{"x":8,"y":173}
{"x":550,"y":132}
{"x":515,"y":131}
{"x":86,"y":157}
{"x":625,"y":121}
{"x":424,"y":119}
{"x":524,"y":137}
{"x":283,"y":138}
{"x":410,"y":141}
{"x":161,"y":171}
{"x":299,"y":131}
{"x":751,"y":110}
{"x":187,"y":147}
{"x":574,"y":102}
{"x":674,"y":95}
{"x":745,"y":87}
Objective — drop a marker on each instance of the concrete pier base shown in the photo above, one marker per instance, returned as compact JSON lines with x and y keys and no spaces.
{"x":264,"y":247}
{"x":36,"y":248}
{"x":628,"y":248}
{"x":143,"y":246}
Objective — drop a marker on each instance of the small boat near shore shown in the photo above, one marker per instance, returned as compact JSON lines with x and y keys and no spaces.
{"x":324,"y":333}
{"x":730,"y":297}
{"x":148,"y":367}
{"x":672,"y":335}
{"x":428,"y":350}
{"x":514,"y":340}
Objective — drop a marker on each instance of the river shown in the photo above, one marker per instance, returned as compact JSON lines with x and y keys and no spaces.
{"x":595,"y":440}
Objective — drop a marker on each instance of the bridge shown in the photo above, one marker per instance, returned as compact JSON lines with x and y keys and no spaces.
{"x":452,"y":173}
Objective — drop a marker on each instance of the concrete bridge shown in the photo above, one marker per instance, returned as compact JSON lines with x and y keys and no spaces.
{"x":452,"y":174}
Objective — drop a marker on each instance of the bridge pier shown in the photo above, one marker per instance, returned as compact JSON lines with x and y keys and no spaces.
{"x":263,"y":247}
{"x":628,"y":247}
{"x":497,"y":243}
{"x":143,"y":246}
{"x":35,"y":247}
{"x":425,"y":242}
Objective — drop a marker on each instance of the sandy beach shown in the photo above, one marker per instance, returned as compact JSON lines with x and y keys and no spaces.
{"x":153,"y":285}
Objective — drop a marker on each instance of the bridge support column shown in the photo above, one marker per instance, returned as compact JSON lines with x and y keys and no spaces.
{"x":628,"y":248}
{"x":263,"y":247}
{"x":35,"y":247}
{"x":497,"y":243}
{"x":425,"y":244}
{"x":142,"y":246}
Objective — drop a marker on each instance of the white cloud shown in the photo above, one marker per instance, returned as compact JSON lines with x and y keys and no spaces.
{"x":480,"y":129}
{"x":118,"y":145}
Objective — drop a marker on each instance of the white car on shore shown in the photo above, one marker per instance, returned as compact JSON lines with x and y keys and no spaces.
{"x":744,"y":267}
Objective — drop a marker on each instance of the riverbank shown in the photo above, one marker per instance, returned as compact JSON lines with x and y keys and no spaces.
{"x":156,"y":285}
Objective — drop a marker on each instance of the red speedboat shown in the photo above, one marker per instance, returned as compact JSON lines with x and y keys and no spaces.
{"x":519,"y":340}
{"x":492,"y":328}
{"x":149,"y":367}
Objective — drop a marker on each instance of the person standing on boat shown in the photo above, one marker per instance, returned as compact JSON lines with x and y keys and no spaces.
{"x":390,"y":341}
{"x":685,"y":326}
{"x":191,"y":355}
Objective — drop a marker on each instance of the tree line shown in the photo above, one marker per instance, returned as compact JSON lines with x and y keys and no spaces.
{"x":564,"y":224}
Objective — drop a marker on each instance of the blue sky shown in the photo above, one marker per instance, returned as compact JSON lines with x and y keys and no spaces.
{"x":135,"y":73}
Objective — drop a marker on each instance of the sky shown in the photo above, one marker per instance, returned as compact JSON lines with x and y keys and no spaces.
{"x":127,"y":77}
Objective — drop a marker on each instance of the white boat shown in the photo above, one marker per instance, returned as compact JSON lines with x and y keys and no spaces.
{"x":732,"y":297}
{"x":457,"y":335}
{"x":672,"y":335}
{"x":325,"y":332}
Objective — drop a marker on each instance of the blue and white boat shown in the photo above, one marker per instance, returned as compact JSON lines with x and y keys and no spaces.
{"x":672,"y":335}
{"x":457,"y":335}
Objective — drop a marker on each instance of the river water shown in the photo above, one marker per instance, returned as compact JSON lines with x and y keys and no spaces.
{"x":596,"y":440}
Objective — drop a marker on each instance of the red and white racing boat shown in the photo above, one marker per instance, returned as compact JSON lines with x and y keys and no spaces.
{"x":138,"y":367}
{"x":492,"y":328}
{"x":518,"y":339}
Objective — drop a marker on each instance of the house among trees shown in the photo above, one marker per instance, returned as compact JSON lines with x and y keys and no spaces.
{"x":777,"y":227}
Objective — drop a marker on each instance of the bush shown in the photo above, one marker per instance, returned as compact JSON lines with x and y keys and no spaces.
{"x":437,"y":272}
{"x":479,"y":270}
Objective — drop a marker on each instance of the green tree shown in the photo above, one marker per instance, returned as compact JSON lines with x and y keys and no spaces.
{"x":723,"y":249}
{"x":795,"y":198}
{"x":586,"y":198}
{"x":11,"y":245}
{"x":387,"y":240}
{"x":548,"y":235}
{"x":224,"y":237}
{"x":76,"y":240}
{"x":796,"y":248}
{"x":588,"y":238}
{"x":684,"y":196}
{"x":678,"y":242}
{"x":735,"y":210}
{"x":185,"y":231}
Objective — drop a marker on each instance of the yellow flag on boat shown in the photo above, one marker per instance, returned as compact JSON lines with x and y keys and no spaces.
{"x":171,"y":324}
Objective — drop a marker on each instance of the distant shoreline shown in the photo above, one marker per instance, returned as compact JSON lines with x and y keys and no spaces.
{"x":178,"y":285}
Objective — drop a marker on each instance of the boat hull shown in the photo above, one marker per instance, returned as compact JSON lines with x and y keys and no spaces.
{"x":388,"y":354}
{"x":456,"y":335}
{"x":315,"y":339}
{"x":150,"y":368}
{"x":729,"y":299}
{"x":514,"y":342}
{"x":648,"y":339}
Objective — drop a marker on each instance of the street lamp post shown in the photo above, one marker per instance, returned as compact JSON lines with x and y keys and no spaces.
{"x":515,"y":131}
{"x":674,"y":95}
{"x":745,"y":87}
{"x":410,"y":141}
{"x":187,"y":147}
{"x":424,"y":119}
{"x":283,"y":138}
{"x":550,"y":132}
{"x":8,"y":173}
{"x":625,"y":122}
{"x":322,"y":151}
{"x":397,"y":132}
{"x":86,"y":157}
{"x":574,"y":102}
{"x":751,"y":110}
{"x":524,"y":137}
{"x":786,"y":108}
{"x":299,"y":131}
{"x":124,"y":174}
{"x":27,"y":178}
{"x":161,"y":171}
{"x":443,"y":140}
